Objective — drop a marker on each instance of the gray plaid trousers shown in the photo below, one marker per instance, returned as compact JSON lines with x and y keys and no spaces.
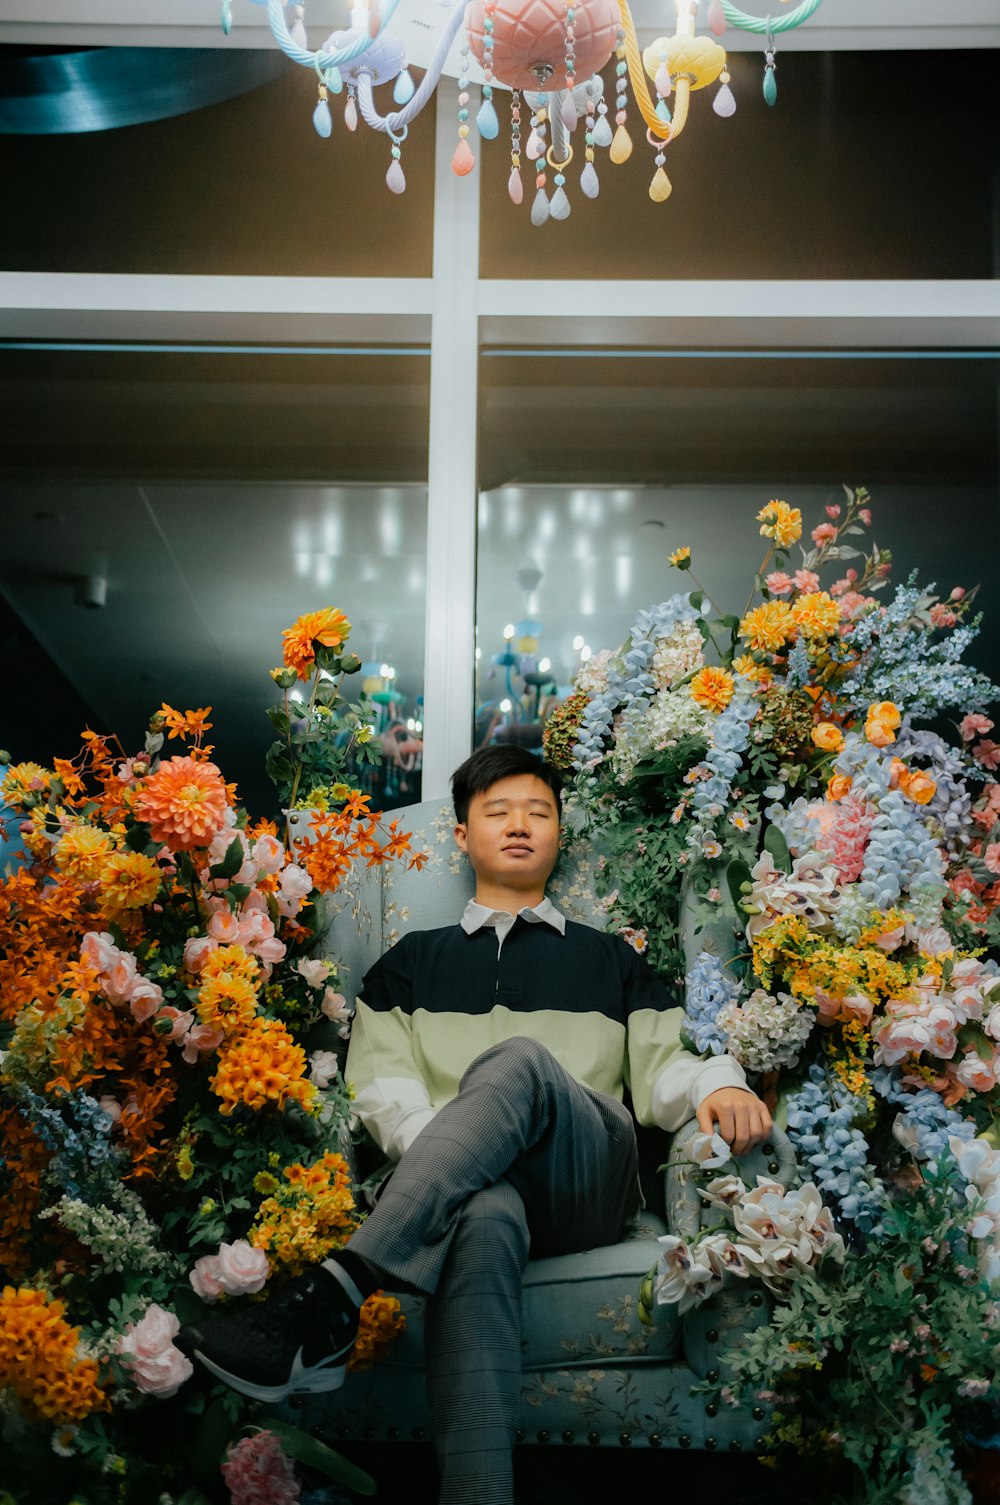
{"x":525,"y":1157}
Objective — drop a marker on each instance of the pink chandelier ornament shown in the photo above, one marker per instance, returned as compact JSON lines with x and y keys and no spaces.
{"x":550,"y":55}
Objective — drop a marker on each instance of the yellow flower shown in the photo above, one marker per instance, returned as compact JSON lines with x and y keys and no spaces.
{"x":769,"y":626}
{"x":185,"y":1164}
{"x":828,"y":736}
{"x":881,"y":722}
{"x":129,"y":880}
{"x":25,"y":782}
{"x":227,"y":1002}
{"x":780,"y":522}
{"x":750,"y":669}
{"x":681,"y":558}
{"x":712,"y":688}
{"x":39,"y":1358}
{"x":81,"y":850}
{"x":816,"y":615}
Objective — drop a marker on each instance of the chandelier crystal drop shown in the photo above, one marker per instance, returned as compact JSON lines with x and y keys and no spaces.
{"x":548,"y":53}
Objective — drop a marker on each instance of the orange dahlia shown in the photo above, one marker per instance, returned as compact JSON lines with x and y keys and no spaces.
{"x":712,"y":688}
{"x":329,"y":628}
{"x":184,"y":803}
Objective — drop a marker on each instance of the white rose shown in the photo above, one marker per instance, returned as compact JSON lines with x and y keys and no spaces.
{"x":323,"y":1067}
{"x":158,"y":1367}
{"x":314,"y":970}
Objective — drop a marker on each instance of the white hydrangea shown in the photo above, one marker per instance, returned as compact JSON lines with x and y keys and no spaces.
{"x":677,"y":655}
{"x":665,"y":718}
{"x":765,"y":1032}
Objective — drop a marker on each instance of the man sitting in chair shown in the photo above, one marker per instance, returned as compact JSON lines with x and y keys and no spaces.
{"x":489,"y":1059}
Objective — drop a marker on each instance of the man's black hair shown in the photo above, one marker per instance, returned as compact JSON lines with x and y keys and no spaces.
{"x":488,"y":765}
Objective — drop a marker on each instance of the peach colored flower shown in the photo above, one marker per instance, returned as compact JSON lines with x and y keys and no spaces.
{"x":839,"y":786}
{"x":828,"y":736}
{"x":778,"y":583}
{"x":957,"y":593}
{"x":991,"y":857}
{"x":768,"y":627}
{"x":987,"y":753}
{"x":329,"y":628}
{"x":973,"y":725}
{"x":712,"y":688}
{"x":158,"y":1367}
{"x":833,"y":511}
{"x":824,"y":534}
{"x":865,"y":514}
{"x":919,"y":787}
{"x":941,"y":615}
{"x":184,"y":803}
{"x":806,"y":580}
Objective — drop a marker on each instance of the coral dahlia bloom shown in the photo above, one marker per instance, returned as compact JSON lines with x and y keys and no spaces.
{"x":329,"y":628}
{"x":712,"y":688}
{"x":184,"y":802}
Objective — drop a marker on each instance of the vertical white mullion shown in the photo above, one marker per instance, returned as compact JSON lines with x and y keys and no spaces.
{"x":451,"y":464}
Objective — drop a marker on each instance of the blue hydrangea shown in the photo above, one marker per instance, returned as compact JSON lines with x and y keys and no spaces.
{"x":730,"y":739}
{"x":708,"y":991}
{"x":924,"y":1114}
{"x":821,"y":1115}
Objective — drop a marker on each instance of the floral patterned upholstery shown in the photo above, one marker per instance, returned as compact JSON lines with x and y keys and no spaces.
{"x":592,"y":1372}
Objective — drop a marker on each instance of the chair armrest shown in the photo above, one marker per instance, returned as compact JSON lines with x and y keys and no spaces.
{"x":774,"y":1158}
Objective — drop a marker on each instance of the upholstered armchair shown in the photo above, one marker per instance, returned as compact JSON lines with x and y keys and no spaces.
{"x":593,"y":1374}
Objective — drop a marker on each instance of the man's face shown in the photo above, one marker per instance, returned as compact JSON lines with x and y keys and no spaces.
{"x":512,"y":832}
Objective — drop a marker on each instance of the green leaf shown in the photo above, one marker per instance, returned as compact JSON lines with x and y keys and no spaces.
{"x":144,"y":1484}
{"x":315,"y":1454}
{"x":737,"y":873}
{"x":279,"y":719}
{"x":192,"y":1496}
{"x":776,"y":844}
{"x":697,"y":599}
{"x":231,"y":863}
{"x":210,"y":1443}
{"x":137,"y":839}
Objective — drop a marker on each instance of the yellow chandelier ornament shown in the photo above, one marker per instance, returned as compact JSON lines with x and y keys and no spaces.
{"x":548,"y":54}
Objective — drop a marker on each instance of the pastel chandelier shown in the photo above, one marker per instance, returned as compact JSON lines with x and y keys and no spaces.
{"x":549,"y":54}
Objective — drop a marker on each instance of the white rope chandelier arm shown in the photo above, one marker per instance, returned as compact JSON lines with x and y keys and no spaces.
{"x":400,"y":119}
{"x":320,"y":60}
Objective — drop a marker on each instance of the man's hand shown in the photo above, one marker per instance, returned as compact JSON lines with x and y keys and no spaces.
{"x":743,"y":1120}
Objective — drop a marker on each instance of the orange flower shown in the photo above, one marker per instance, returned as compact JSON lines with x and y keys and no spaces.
{"x":184,"y":802}
{"x":262,"y":1065}
{"x":918,"y":786}
{"x":750,"y":669}
{"x":329,"y":628}
{"x":768,"y":626}
{"x":193,"y":724}
{"x":38,"y":1358}
{"x":828,"y":736}
{"x":227,"y":998}
{"x":712,"y":688}
{"x":881,"y":722}
{"x":382,"y":1320}
{"x":129,"y":880}
{"x":838,"y":786}
{"x":816,"y":615}
{"x":67,"y":775}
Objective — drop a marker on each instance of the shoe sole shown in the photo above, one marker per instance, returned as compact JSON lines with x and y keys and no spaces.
{"x":319,"y":1381}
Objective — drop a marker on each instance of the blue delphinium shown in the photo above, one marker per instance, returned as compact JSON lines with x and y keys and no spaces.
{"x":708,"y":991}
{"x":927,"y":1123}
{"x":821,"y":1115}
{"x":724,"y":759}
{"x":83,"y":1157}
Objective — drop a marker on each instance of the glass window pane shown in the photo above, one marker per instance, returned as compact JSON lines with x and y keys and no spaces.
{"x":244,"y":503}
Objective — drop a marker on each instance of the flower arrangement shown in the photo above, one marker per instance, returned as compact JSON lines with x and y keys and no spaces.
{"x":173,"y":1115}
{"x":842,"y":861}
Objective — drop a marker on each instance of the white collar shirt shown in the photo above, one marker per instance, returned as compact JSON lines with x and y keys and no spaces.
{"x":480,"y":916}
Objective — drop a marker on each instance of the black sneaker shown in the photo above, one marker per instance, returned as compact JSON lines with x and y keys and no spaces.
{"x":296,"y":1342}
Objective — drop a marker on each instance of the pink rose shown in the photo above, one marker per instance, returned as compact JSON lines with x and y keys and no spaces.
{"x":158,"y":1367}
{"x":224,"y":927}
{"x":112,"y":1108}
{"x":242,"y":1269}
{"x":122,"y":978}
{"x":941,"y":615}
{"x":969,"y":727}
{"x":144,"y":1000}
{"x":205,"y":1278}
{"x":295,"y":882}
{"x":865,"y":514}
{"x":314,"y":970}
{"x":335,"y":1007}
{"x":323,"y":1067}
{"x":269,"y":854}
{"x":857,"y":1006}
{"x":179,"y":1023}
{"x":987,"y":753}
{"x":199,"y":1040}
{"x":197,"y":951}
{"x":778,"y":583}
{"x":98,"y":949}
{"x":806,"y":580}
{"x":957,"y":593}
{"x":824,"y":534}
{"x":833,"y":511}
{"x":975,"y":1073}
{"x":991,"y":857}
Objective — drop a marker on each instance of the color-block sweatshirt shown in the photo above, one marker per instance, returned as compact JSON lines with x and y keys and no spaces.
{"x":439,"y":998}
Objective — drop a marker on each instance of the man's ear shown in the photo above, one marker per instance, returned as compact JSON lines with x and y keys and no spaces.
{"x":461,"y":837}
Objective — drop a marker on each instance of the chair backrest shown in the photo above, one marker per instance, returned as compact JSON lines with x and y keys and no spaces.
{"x":375,"y":906}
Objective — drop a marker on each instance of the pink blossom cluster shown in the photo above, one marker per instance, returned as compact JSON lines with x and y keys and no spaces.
{"x":843,"y":829}
{"x":928,"y":1022}
{"x":157,"y":1365}
{"x":238,"y":1269}
{"x":258,"y":1473}
{"x":121,"y":982}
